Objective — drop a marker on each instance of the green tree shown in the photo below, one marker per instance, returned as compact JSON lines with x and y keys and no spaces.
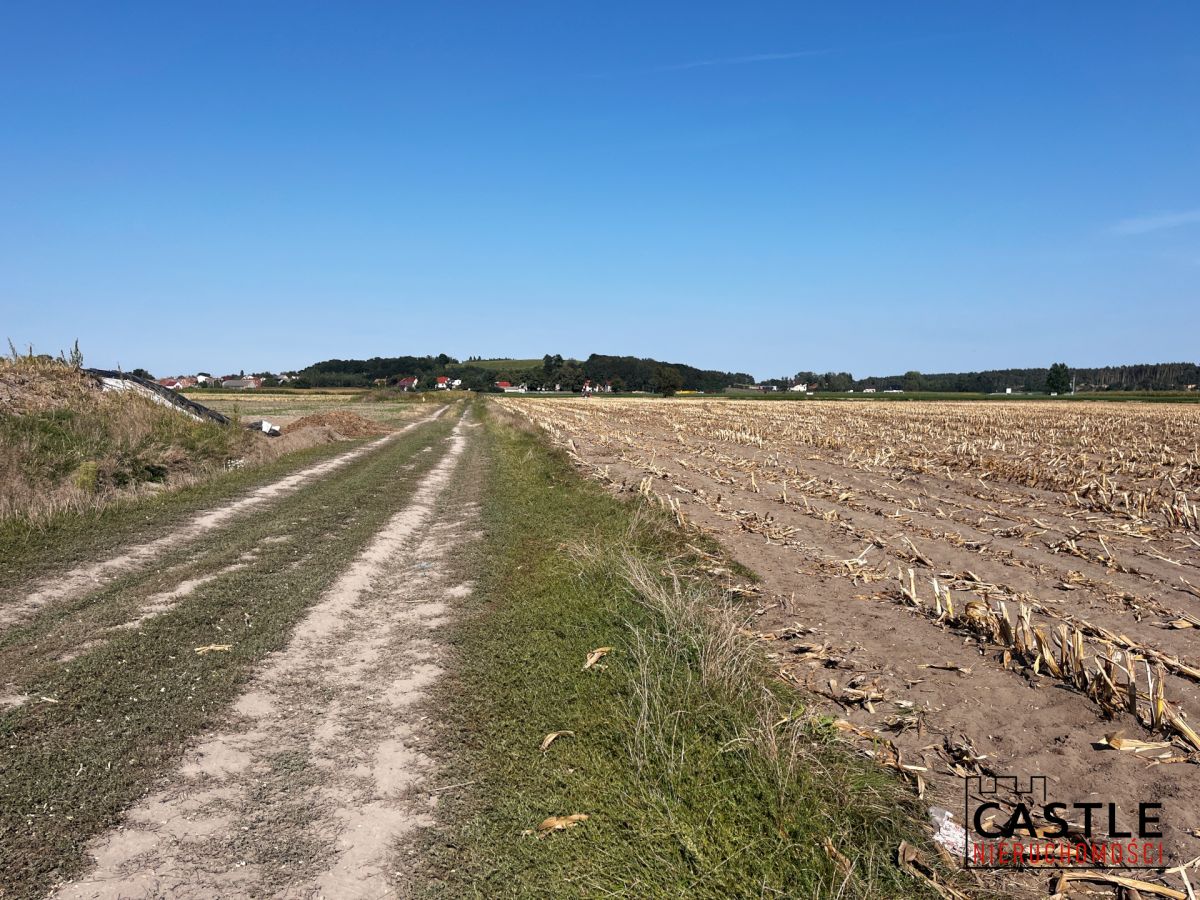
{"x":667,"y":380}
{"x":912,"y":380}
{"x":1058,"y":381}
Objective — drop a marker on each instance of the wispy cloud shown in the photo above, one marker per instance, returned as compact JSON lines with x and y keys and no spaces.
{"x":742,"y":60}
{"x":1156,"y":222}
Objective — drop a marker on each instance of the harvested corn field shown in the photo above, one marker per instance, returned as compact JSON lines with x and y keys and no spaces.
{"x":970,"y":588}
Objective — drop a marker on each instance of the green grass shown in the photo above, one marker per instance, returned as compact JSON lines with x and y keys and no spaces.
{"x":693,"y":784}
{"x":128,"y":707}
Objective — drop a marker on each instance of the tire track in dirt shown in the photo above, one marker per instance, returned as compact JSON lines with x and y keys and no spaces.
{"x":310,"y":787}
{"x":88,"y":577}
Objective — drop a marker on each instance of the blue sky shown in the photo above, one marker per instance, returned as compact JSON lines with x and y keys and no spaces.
{"x":768,"y":187}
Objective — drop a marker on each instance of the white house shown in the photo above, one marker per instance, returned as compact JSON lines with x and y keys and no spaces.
{"x":799,"y":388}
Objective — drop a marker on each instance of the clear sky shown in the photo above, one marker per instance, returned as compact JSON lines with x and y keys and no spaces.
{"x":767,"y":187}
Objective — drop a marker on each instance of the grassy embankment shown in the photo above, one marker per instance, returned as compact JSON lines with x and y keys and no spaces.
{"x":700,"y":776}
{"x":120,"y":713}
{"x":66,"y":446}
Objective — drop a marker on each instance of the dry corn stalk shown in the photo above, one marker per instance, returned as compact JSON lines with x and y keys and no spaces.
{"x":1109,"y":678}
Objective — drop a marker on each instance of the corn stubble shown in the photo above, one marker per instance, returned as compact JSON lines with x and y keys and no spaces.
{"x":1130,"y":472}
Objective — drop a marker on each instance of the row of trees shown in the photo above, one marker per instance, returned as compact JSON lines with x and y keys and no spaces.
{"x":1057,"y":379}
{"x":624,"y":373}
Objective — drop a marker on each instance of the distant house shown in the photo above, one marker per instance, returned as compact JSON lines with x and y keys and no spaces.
{"x":409,"y":383}
{"x":379,"y":382}
{"x":179,"y":382}
{"x":1190,"y":387}
{"x":868,"y":390}
{"x":442,"y":383}
{"x":799,"y":388}
{"x":242,"y":384}
{"x":510,"y":388}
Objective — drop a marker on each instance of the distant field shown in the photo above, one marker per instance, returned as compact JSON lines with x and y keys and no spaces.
{"x":504,"y":365}
{"x":284,"y":407}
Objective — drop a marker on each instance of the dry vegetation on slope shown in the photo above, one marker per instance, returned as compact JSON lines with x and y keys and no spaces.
{"x":983,"y":587}
{"x":66,"y":445}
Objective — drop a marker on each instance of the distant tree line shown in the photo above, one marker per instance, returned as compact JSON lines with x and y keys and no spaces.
{"x":624,"y":373}
{"x":366,"y":372}
{"x":630,"y":373}
{"x":1052,"y":379}
{"x":635,"y":374}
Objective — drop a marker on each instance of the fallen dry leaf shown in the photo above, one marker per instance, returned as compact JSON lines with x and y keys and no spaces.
{"x":839,"y":858}
{"x":560,"y":823}
{"x":552,"y":737}
{"x":1118,"y":741}
{"x":596,"y":655}
{"x":209,"y":648}
{"x":947,"y":667}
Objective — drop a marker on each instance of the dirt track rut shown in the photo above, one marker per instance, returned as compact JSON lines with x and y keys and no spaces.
{"x":89,"y":577}
{"x":313,"y":783}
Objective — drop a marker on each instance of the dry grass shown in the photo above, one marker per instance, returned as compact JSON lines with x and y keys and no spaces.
{"x":67,"y":446}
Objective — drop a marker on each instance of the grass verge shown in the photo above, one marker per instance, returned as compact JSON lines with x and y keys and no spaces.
{"x":120,"y":714}
{"x":700,"y":777}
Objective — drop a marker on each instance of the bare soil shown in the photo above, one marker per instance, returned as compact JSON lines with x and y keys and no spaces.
{"x":345,"y":423}
{"x":828,"y":539}
{"x":321,"y":774}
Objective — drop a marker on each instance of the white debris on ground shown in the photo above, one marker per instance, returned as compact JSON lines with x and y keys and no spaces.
{"x":949,"y":833}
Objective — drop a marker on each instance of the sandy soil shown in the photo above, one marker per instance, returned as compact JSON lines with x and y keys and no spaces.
{"x":90,"y":576}
{"x":312,"y":786}
{"x":828,"y":535}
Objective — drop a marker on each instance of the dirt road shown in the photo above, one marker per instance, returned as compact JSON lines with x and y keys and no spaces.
{"x":282,"y":645}
{"x":309,"y":788}
{"x":64,"y":586}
